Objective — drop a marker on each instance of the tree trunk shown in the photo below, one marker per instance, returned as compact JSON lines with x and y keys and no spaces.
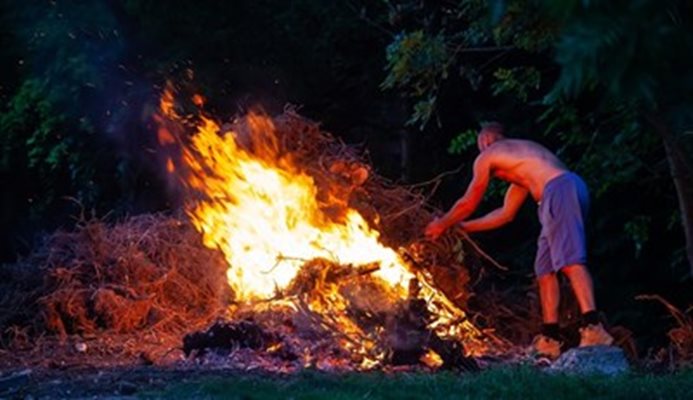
{"x":405,"y":160}
{"x":682,"y":174}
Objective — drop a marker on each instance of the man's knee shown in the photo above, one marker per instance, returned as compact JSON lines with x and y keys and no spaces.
{"x":547,"y":279}
{"x":572,"y":269}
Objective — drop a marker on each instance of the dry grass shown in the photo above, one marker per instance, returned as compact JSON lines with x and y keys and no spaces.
{"x":148,"y":271}
{"x":679,"y":354}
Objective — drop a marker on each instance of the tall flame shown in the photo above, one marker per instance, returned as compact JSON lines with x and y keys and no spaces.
{"x":262,"y":212}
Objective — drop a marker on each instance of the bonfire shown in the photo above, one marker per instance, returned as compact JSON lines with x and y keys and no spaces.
{"x":293,"y":211}
{"x":290,"y":252}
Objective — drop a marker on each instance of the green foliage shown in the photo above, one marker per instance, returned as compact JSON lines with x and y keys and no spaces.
{"x":423,"y":111}
{"x":516,"y":81}
{"x":416,"y":64}
{"x":419,"y":62}
{"x":524,"y":25}
{"x":31,"y":113}
{"x":48,"y":123}
{"x":463,"y":141}
{"x":34,"y":137}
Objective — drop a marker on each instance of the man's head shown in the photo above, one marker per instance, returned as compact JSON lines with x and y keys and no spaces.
{"x":490,"y":133}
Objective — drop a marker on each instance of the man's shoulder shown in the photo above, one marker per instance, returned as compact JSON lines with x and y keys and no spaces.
{"x":512,"y":142}
{"x":515,"y":147}
{"x":505,"y":148}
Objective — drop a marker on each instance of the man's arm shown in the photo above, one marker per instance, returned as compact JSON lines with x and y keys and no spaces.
{"x":466,"y":205}
{"x":514,"y":198}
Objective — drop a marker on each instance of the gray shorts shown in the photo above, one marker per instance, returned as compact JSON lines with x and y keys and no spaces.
{"x":562,"y":213}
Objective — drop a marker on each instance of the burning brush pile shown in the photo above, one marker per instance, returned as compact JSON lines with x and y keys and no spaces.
{"x":324,"y":257}
{"x":292,"y":253}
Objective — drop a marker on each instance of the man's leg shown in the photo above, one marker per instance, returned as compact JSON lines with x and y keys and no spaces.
{"x":548,"y":343}
{"x":581,"y":282}
{"x":592,"y":333}
{"x":549,"y":295}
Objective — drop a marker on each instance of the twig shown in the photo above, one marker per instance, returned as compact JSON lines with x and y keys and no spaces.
{"x":478,"y":249}
{"x":680,"y":317}
{"x":436,"y":178}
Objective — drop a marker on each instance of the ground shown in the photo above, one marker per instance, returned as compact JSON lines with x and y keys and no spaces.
{"x":504,"y":382}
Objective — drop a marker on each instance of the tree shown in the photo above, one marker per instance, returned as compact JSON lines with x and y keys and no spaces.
{"x":641,"y":51}
{"x":596,"y":76}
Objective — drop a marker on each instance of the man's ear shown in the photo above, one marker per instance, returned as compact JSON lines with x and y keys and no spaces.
{"x":483,"y":143}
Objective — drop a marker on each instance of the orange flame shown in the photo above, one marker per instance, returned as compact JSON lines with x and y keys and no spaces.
{"x":167,"y":101}
{"x":261,"y":211}
{"x":170,"y":167}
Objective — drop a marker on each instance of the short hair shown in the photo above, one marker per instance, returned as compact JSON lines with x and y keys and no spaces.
{"x":495,"y":127}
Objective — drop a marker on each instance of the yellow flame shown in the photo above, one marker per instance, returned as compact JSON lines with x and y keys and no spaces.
{"x":261,"y":211}
{"x":432,"y":359}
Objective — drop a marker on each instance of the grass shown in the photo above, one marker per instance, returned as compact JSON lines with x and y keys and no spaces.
{"x":509,"y":383}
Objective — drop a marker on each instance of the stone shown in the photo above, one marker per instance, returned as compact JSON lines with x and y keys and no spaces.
{"x":593,"y":360}
{"x":81,"y":347}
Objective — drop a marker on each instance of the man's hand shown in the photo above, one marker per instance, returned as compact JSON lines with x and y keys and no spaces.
{"x":435,"y":228}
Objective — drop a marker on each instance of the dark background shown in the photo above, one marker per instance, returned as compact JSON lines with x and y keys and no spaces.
{"x":80,"y":81}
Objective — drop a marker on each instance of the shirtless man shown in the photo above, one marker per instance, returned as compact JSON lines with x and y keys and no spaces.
{"x":563,"y":202}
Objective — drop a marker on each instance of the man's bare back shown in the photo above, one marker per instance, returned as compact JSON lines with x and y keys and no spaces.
{"x":524,"y":163}
{"x":527,"y":165}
